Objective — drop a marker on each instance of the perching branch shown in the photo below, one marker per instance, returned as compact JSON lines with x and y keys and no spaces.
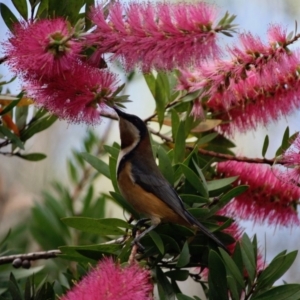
{"x":46,"y":254}
{"x":29,"y":256}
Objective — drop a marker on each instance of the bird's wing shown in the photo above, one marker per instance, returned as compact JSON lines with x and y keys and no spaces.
{"x":156,"y":184}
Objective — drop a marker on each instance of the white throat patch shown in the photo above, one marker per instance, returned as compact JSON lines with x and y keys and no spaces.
{"x":136,"y":137}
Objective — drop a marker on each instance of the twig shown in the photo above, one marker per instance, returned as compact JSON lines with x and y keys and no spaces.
{"x":221,"y":155}
{"x":236,"y":158}
{"x":3,"y":59}
{"x":134,"y":250}
{"x":30,"y":256}
{"x":47,"y":254}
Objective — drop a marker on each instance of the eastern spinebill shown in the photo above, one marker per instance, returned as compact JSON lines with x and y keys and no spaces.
{"x":142,"y":184}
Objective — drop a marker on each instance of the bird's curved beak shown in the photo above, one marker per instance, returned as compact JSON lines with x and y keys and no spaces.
{"x":119,"y":112}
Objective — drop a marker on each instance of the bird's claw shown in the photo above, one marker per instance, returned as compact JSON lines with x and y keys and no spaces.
{"x":140,"y":247}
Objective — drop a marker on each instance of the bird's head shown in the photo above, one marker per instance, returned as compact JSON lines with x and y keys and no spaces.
{"x":132,"y":129}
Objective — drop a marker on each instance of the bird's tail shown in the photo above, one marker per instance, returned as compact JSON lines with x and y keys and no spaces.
{"x":193,"y":221}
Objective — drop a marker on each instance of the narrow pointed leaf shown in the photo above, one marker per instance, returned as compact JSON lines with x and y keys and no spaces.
{"x":265,"y":146}
{"x":97,"y":163}
{"x":184,"y":257}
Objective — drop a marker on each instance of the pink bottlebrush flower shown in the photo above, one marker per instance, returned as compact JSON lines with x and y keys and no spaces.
{"x":197,"y":110}
{"x":109,"y":281}
{"x":291,"y":160}
{"x":162,"y":36}
{"x":267,"y":199}
{"x":77,"y":96}
{"x":277,"y":35}
{"x":258,"y":85}
{"x":45,"y":47}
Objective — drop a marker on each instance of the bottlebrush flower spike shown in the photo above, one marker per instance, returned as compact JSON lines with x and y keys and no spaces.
{"x":108,"y":281}
{"x":45,"y":47}
{"x":268,"y":197}
{"x":258,"y":85}
{"x":161,"y":36}
{"x":291,"y":160}
{"x":77,"y":96}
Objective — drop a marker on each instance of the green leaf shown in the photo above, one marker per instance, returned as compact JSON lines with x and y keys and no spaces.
{"x":101,"y":227}
{"x":157,"y":241}
{"x":233,"y":288}
{"x":236,"y":191}
{"x":21,"y":6}
{"x":191,"y":96}
{"x":8,"y":17}
{"x":160,"y":97}
{"x":79,"y":251}
{"x":179,"y":148}
{"x":278,"y":266}
{"x":178,"y":275}
{"x":42,"y":11}
{"x":113,"y":151}
{"x":72,"y":171}
{"x":207,"y":138}
{"x":217,"y":277}
{"x":165,"y":288}
{"x":284,"y":292}
{"x":14,"y":288}
{"x":37,"y":126}
{"x":226,"y":198}
{"x":88,"y":5}
{"x":285,"y":138}
{"x":165,"y":165}
{"x":97,"y":163}
{"x":201,"y":175}
{"x":184,"y":257}
{"x":20,"y":115}
{"x":285,"y":142}
{"x":175,"y":123}
{"x":69,"y":8}
{"x":10,"y":106}
{"x":248,"y":256}
{"x":232,"y":268}
{"x":113,"y":173}
{"x":191,"y":199}
{"x":5,"y":238}
{"x":45,"y":292}
{"x":237,"y":258}
{"x":151,"y":82}
{"x":12,"y":137}
{"x":199,"y":213}
{"x":194,"y":180}
{"x":169,"y":243}
{"x":220,"y":183}
{"x":33,"y":156}
{"x":265,"y":146}
{"x":87,"y":199}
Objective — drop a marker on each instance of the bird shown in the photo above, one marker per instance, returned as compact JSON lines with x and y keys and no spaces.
{"x":142,"y":184}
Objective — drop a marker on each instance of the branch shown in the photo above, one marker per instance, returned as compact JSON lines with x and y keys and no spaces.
{"x":221,"y":155}
{"x":236,"y":158}
{"x":294,"y":39}
{"x":30,"y":256}
{"x":46,"y":254}
{"x":3,"y":59}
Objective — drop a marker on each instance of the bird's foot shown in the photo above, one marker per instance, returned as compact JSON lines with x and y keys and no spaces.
{"x":139,"y":224}
{"x":140,"y":247}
